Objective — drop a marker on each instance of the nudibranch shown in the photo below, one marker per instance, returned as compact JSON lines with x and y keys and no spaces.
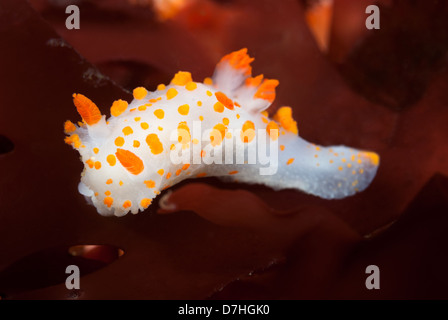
{"x":217,"y":128}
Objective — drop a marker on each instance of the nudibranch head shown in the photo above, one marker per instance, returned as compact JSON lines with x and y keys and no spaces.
{"x":185,"y":130}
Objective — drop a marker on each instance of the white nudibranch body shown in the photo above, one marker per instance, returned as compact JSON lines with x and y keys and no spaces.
{"x":216,"y":128}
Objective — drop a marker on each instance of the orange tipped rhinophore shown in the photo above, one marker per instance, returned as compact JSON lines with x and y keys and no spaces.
{"x":87,"y":109}
{"x":239,"y":60}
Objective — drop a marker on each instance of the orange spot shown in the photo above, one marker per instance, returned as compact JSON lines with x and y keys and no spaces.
{"x":143,"y":107}
{"x":127,"y":204}
{"x":237,"y":104}
{"x":160,"y":128}
{"x":97,"y":165}
{"x":150,"y":184}
{"x":181,"y":78}
{"x":178,"y":171}
{"x":172,"y":147}
{"x":145,"y":203}
{"x":144,"y":125}
{"x":69,"y":127}
{"x":282,"y":147}
{"x":109,"y":181}
{"x":161,"y":87}
{"x":264,"y":120}
{"x":159,"y":113}
{"x":90,"y":163}
{"x":133,"y":109}
{"x":108,"y":201}
{"x":218,"y":107}
{"x":290,"y":161}
{"x":130,"y":161}
{"x":217,"y":134}
{"x":340,"y":168}
{"x":202,"y":153}
{"x":107,"y":193}
{"x":239,"y":60}
{"x":228,"y":135}
{"x":127,"y":131}
{"x":200,"y":175}
{"x":154,"y":143}
{"x":209,"y":93}
{"x":190,"y":86}
{"x":225,"y":121}
{"x":136,"y":144}
{"x":171,"y":93}
{"x":201,"y":118}
{"x":168,"y":175}
{"x":120,"y":183}
{"x":137,"y":119}
{"x":284,"y":117}
{"x":373,"y":157}
{"x":233,"y":172}
{"x":199,"y":103}
{"x":160,"y":172}
{"x":184,"y":109}
{"x":208,"y":81}
{"x":111,"y":160}
{"x":183,"y":133}
{"x":139,"y":93}
{"x":272,"y":129}
{"x":227,"y":102}
{"x":237,"y":116}
{"x":186,"y":166}
{"x":87,"y":109}
{"x":119,"y":142}
{"x":248,"y":131}
{"x":96,"y":150}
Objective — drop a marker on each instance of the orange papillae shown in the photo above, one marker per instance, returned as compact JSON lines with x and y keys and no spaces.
{"x":145,"y":202}
{"x":109,"y":181}
{"x":184,"y":109}
{"x":181,"y":78}
{"x":183,"y":133}
{"x":248,"y":131}
{"x":284,"y":116}
{"x":208,"y":81}
{"x":127,"y":131}
{"x":139,"y":93}
{"x":118,"y":107}
{"x":226,"y":101}
{"x":266,"y":90}
{"x":186,"y":166}
{"x":218,"y":107}
{"x":130,"y":161}
{"x":190,"y":86}
{"x":90,"y":163}
{"x":159,"y":113}
{"x":171,"y":93}
{"x":239,"y":60}
{"x":217,"y":135}
{"x":178,"y":171}
{"x":69,"y":127}
{"x":111,"y":160}
{"x":272,"y":129}
{"x":88,"y":110}
{"x":154,"y":143}
{"x":290,"y":161}
{"x":160,"y":172}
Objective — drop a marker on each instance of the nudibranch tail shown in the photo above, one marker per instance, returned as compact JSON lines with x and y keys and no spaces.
{"x":189,"y":129}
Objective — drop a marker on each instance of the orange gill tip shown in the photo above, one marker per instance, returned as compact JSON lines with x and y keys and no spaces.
{"x":266,"y":90}
{"x":86,"y":109}
{"x":284,"y":117}
{"x":69,"y":127}
{"x":181,"y":78}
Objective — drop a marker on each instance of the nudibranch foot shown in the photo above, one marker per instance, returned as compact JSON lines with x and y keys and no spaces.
{"x":218,"y":127}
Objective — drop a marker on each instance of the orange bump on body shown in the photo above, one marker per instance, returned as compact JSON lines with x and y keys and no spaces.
{"x":160,"y":172}
{"x":127,"y":131}
{"x":171,"y":93}
{"x":144,"y":125}
{"x":111,"y":160}
{"x":96,"y":150}
{"x":145,"y":203}
{"x":168,"y":175}
{"x":266,"y":90}
{"x":161,"y":87}
{"x":69,"y":127}
{"x":209,"y":93}
{"x":154,"y":143}
{"x":127,"y":204}
{"x":284,"y":117}
{"x":217,"y":134}
{"x":119,"y":142}
{"x":109,"y":181}
{"x":233,"y":172}
{"x":108,"y":201}
{"x":200,"y":175}
{"x":190,"y":86}
{"x":218,"y":107}
{"x":136,"y":144}
{"x":290,"y":161}
{"x":87,"y":109}
{"x":183,"y":133}
{"x":97,"y":165}
{"x":139,"y":93}
{"x":208,"y":81}
{"x":184,"y":109}
{"x":282,"y":147}
{"x":107,"y":193}
{"x":199,"y":103}
{"x":178,"y":171}
{"x":159,"y":113}
{"x":90,"y":163}
{"x":130,"y":161}
{"x":181,"y":78}
{"x":272,"y":129}
{"x":150,"y":184}
{"x":248,"y":131}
